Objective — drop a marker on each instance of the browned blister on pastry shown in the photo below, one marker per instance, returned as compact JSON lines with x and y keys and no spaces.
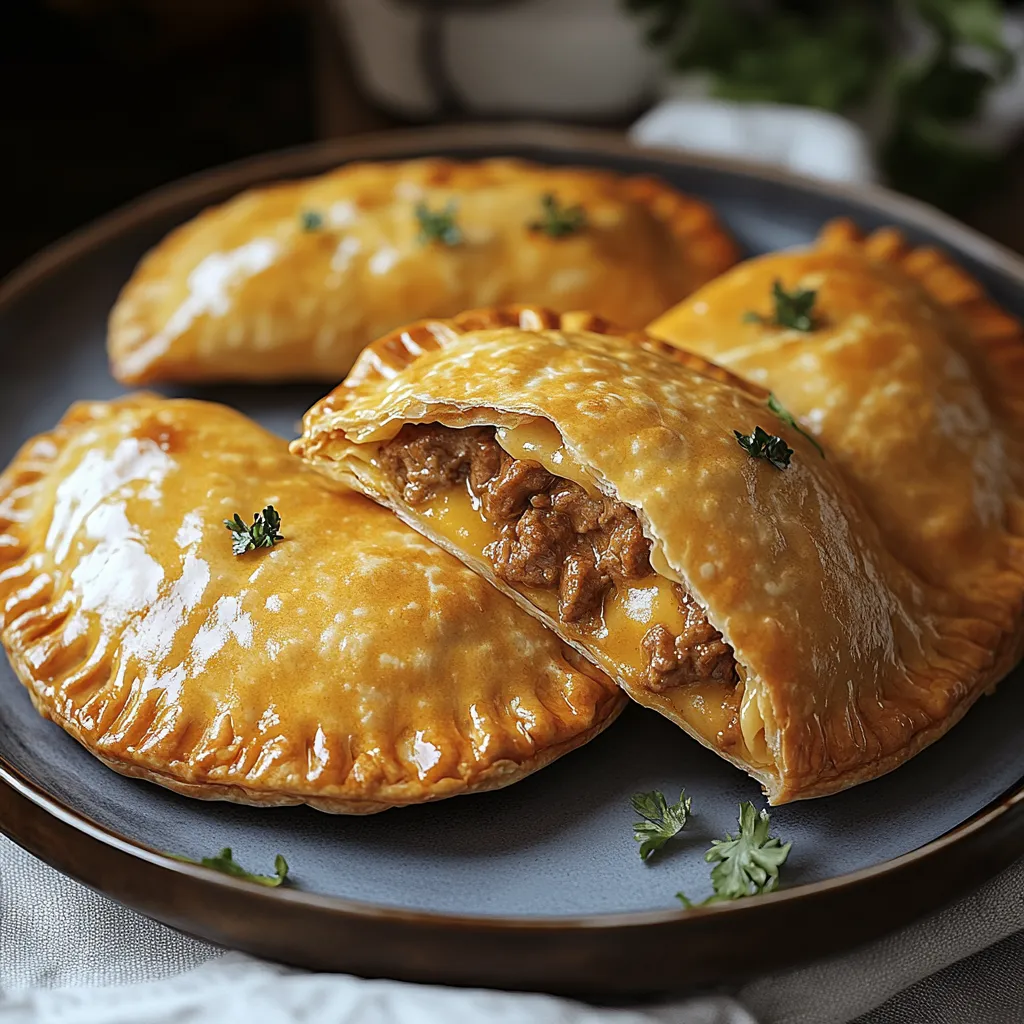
{"x":911,"y":380}
{"x":352,"y":666}
{"x":599,"y":480}
{"x":294,"y":279}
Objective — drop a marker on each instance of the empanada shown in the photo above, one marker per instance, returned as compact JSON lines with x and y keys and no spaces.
{"x":600,"y":481}
{"x":911,"y":380}
{"x":353,"y":666}
{"x":292,"y":280}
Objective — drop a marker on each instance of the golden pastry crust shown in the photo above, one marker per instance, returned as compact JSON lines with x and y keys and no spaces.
{"x":912,"y":380}
{"x":353,"y":667}
{"x":243,"y":292}
{"x":849,"y":664}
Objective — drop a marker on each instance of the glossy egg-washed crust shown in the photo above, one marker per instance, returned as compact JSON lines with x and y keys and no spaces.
{"x":353,"y":667}
{"x":862,"y":662}
{"x":245,"y":292}
{"x":912,"y":380}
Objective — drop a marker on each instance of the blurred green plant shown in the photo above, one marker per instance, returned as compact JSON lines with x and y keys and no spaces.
{"x":924,"y":67}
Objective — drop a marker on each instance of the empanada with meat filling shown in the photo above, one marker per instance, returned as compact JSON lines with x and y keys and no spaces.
{"x":352,"y":665}
{"x":292,"y":280}
{"x":911,"y":380}
{"x":601,"y":481}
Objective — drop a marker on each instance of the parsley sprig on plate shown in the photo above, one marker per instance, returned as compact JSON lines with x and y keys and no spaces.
{"x":226,"y":864}
{"x":745,"y":864}
{"x":661,"y":820}
{"x":265,"y":531}
{"x":794,"y":309}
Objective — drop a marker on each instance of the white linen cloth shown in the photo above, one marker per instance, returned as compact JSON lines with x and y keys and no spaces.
{"x":71,"y":956}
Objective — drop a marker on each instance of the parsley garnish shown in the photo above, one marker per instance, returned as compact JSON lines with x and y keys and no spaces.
{"x":746,"y":864}
{"x":227,"y":865}
{"x":762,"y":445}
{"x":311,"y":220}
{"x":439,"y":225}
{"x":661,"y":821}
{"x":793,"y":309}
{"x":557,"y":220}
{"x":265,"y":531}
{"x":787,"y":417}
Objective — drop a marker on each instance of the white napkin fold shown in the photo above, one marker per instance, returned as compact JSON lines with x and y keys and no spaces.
{"x":799,"y":139}
{"x":56,"y":937}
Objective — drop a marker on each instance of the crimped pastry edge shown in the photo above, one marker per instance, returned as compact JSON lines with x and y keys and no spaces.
{"x":389,"y":355}
{"x":997,"y":336}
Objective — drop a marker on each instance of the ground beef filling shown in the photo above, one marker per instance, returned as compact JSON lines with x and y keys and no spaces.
{"x":698,"y":653}
{"x":554,"y":535}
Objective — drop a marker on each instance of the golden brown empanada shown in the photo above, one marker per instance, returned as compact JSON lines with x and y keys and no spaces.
{"x":599,"y":481}
{"x":292,"y":280}
{"x":353,"y":666}
{"x":914,"y":384}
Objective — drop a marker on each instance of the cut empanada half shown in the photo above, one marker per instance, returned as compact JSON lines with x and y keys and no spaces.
{"x":913,"y":382}
{"x":292,"y":280}
{"x":613,"y":487}
{"x":352,"y":665}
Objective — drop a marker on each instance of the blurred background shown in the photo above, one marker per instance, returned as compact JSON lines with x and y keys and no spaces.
{"x":106,"y":99}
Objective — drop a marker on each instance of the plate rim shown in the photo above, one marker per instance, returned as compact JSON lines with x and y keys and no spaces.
{"x":964,"y":841}
{"x":980,"y":821}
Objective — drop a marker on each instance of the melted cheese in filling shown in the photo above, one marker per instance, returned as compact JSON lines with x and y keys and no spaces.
{"x":712,"y":709}
{"x":726,"y":717}
{"x":538,"y":439}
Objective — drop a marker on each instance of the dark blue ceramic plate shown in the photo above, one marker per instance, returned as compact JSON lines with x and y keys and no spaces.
{"x":559,"y":845}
